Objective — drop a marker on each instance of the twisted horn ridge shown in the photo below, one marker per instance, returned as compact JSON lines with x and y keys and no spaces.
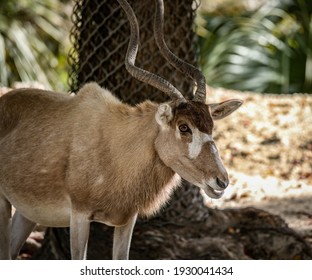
{"x":186,"y":68}
{"x":138,"y":73}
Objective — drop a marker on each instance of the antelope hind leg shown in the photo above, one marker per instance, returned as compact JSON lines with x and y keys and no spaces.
{"x":5,"y":228}
{"x":79,"y":235}
{"x":21,"y":229}
{"x":122,"y":240}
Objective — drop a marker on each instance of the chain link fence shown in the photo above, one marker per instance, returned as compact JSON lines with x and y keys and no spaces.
{"x":100,"y":37}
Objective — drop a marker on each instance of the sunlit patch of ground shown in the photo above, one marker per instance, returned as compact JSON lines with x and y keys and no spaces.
{"x":267,"y":147}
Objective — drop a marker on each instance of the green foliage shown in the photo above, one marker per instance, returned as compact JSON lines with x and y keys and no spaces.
{"x":33,"y":42}
{"x":265,"y":50}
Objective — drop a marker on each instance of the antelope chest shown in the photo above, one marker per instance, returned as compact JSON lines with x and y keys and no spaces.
{"x":152,"y":205}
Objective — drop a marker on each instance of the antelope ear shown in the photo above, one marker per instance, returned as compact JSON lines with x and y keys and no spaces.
{"x":164,"y":115}
{"x":223,"y":109}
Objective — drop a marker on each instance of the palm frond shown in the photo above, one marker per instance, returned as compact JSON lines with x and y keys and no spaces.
{"x":257,"y":51}
{"x":32,"y":42}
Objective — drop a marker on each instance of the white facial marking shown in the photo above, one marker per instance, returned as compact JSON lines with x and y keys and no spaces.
{"x":196,"y":145}
{"x":199,"y":139}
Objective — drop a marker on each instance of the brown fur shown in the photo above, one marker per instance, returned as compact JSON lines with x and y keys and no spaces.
{"x":198,"y":114}
{"x":67,"y":161}
{"x":55,"y":147}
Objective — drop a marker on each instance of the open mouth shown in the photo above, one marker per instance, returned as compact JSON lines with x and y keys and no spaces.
{"x":212,"y":193}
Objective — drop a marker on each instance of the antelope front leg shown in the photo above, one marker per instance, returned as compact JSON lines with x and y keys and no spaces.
{"x":5,"y":228}
{"x":79,"y":235}
{"x":21,"y":229}
{"x":122,"y":240}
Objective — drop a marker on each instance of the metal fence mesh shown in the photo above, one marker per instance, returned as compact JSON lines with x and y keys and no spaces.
{"x":100,"y":36}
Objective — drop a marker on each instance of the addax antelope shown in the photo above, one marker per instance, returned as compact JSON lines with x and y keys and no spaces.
{"x":66,"y":161}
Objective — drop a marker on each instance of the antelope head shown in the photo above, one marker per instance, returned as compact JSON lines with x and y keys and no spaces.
{"x":185,"y":141}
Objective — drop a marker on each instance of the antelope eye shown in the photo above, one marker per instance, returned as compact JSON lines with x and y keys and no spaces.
{"x":184,"y":128}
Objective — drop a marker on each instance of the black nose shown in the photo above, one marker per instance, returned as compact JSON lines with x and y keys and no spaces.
{"x":222,"y":184}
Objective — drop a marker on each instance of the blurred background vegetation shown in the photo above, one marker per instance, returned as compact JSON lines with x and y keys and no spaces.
{"x":257,"y":45}
{"x":34,"y":41}
{"x":254,"y":45}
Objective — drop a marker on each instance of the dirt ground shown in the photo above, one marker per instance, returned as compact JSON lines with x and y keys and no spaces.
{"x":267,"y":147}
